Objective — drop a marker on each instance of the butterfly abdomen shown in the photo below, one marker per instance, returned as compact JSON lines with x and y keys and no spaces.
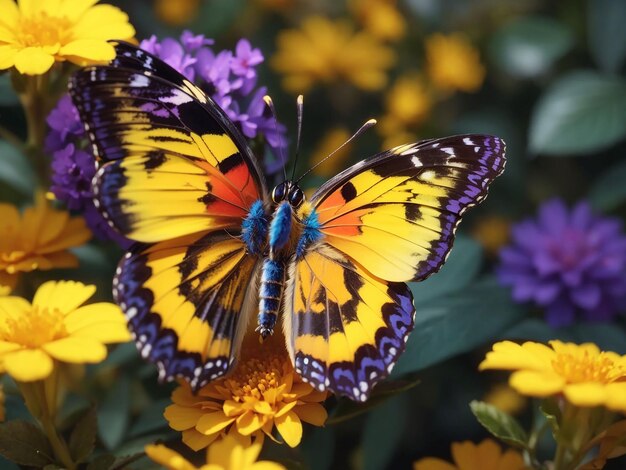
{"x":270,"y":293}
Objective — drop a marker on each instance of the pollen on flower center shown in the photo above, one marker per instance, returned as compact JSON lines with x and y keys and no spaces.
{"x":38,"y":327}
{"x":255,"y":376}
{"x":44,"y":30}
{"x":587,"y":368}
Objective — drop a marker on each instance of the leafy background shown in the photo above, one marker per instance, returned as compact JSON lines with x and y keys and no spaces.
{"x":555,"y":90}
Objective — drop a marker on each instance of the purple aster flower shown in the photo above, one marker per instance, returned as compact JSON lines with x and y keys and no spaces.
{"x":72,"y":171}
{"x":244,"y":62}
{"x":215,"y":70}
{"x":172,"y":53}
{"x":192,"y":42}
{"x":65,"y":125}
{"x":571,"y":262}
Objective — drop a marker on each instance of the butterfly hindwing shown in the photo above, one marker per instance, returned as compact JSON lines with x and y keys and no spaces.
{"x":348,"y":327}
{"x":188,"y":302}
{"x":173,"y":163}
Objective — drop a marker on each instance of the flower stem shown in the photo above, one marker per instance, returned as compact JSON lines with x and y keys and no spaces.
{"x":37,"y":396}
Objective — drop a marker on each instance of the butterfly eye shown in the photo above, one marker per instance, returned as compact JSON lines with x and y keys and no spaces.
{"x":279,"y":193}
{"x":296,"y":197}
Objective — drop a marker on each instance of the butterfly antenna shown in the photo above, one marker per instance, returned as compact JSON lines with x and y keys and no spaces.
{"x":362,"y":129}
{"x":300,"y":106}
{"x":281,"y":148}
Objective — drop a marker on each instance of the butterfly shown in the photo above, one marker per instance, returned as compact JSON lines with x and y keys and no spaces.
{"x":215,"y":248}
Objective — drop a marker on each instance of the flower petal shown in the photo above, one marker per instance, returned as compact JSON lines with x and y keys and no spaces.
{"x":290,"y":428}
{"x":196,"y":440}
{"x":182,"y":417}
{"x":168,"y":458}
{"x":510,"y":355}
{"x":63,"y":295}
{"x":616,"y":396}
{"x":212,"y":423}
{"x":88,"y":51}
{"x":312,"y":413}
{"x":249,"y":422}
{"x":33,"y":61}
{"x":27,"y":365}
{"x":104,"y":22}
{"x":432,"y":463}
{"x":7,"y":56}
{"x":586,"y":394}
{"x":536,"y":384}
{"x":10,"y":14}
{"x":76,"y":350}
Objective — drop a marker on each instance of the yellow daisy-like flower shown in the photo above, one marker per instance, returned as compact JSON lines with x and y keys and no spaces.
{"x":325,"y":51}
{"x":56,"y":327}
{"x":328,"y":144}
{"x":37,"y":239}
{"x":453,"y":63}
{"x":469,"y":456}
{"x":585,"y":375}
{"x":262,"y":392}
{"x":380,"y":17}
{"x":36,"y":33}
{"x":228,"y":453}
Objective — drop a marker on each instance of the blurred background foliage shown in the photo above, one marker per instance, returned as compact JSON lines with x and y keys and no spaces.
{"x":547,"y":77}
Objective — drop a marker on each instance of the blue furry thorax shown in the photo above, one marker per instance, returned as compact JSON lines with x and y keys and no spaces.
{"x":310,"y":234}
{"x":254,"y":228}
{"x":280,"y":228}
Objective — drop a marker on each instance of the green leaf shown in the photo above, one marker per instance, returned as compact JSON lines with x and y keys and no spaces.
{"x":609,"y":190}
{"x":580,"y":113}
{"x":25,"y":444}
{"x":113,"y":413}
{"x":8,"y":97}
{"x":384,"y":428}
{"x":461,"y":267}
{"x":151,"y":419}
{"x":102,"y":462}
{"x":500,"y":424}
{"x":15,"y":170}
{"x":457,"y":323}
{"x":607,"y":41}
{"x":83,"y":437}
{"x":528,"y":47}
{"x":550,"y":409}
{"x":318,"y":448}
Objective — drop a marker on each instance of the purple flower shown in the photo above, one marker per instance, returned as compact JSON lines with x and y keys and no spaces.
{"x":101,"y":228}
{"x":192,"y":42}
{"x":72,"y":171}
{"x":172,"y":53}
{"x":65,"y":125}
{"x":244,"y":62}
{"x":571,"y":262}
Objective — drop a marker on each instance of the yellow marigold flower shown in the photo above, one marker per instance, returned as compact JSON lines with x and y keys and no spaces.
{"x":177,"y":12}
{"x":492,"y":232}
{"x":585,"y":375}
{"x":38,"y":239}
{"x":56,"y":327}
{"x":453,"y":63}
{"x":262,"y":392}
{"x":36,"y":33}
{"x":328,"y":144}
{"x":380,"y":17}
{"x":503,"y":397}
{"x":468,"y":456}
{"x":229,"y":453}
{"x":327,"y":51}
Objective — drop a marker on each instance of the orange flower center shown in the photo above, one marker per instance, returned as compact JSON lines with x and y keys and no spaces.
{"x":37,"y":327}
{"x":587,"y":368}
{"x":42,"y":29}
{"x":255,"y":376}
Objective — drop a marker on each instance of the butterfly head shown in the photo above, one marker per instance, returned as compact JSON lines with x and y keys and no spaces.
{"x":290,"y":192}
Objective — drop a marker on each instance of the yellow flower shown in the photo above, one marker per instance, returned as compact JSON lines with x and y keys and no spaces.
{"x":229,"y":453}
{"x":56,"y":327}
{"x":38,"y":239}
{"x":585,"y":375}
{"x":177,"y":12}
{"x":36,"y":33}
{"x":328,"y":144}
{"x":503,"y":397}
{"x":380,"y":17}
{"x":325,"y":51}
{"x":468,"y":456}
{"x":453,"y":63}
{"x":262,"y":392}
{"x":492,"y":232}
